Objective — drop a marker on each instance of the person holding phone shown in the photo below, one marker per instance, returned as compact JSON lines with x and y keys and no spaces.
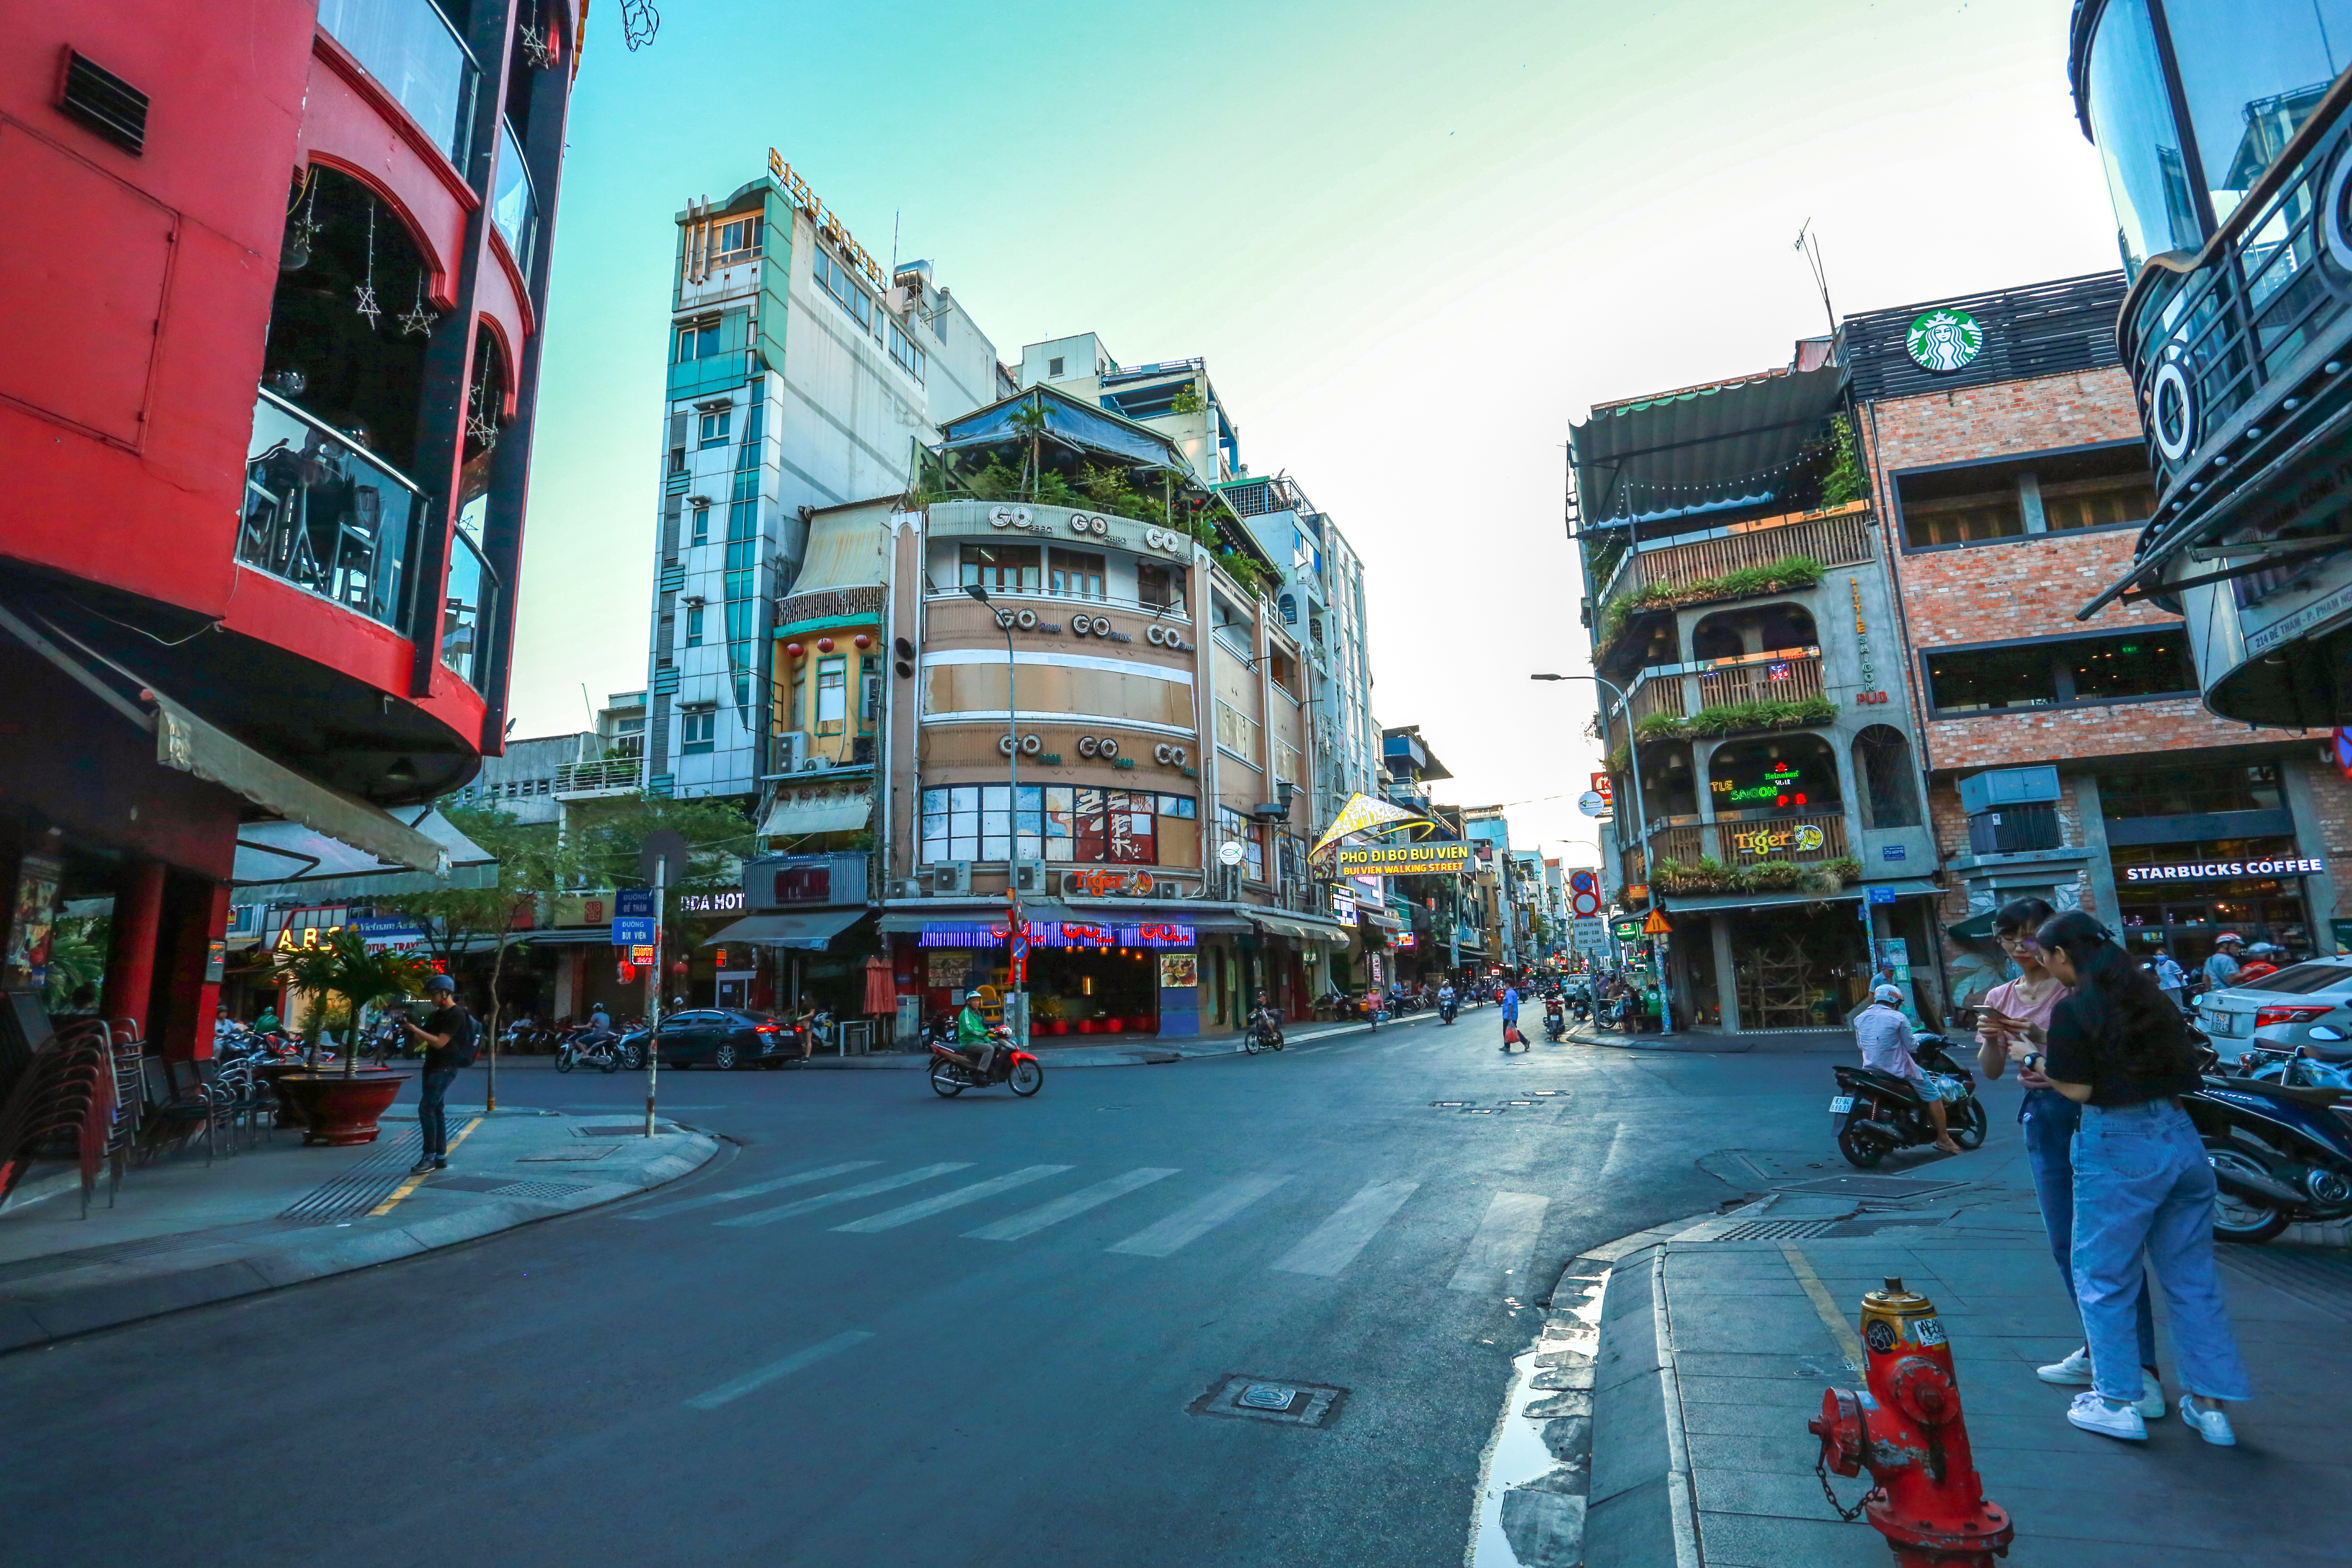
{"x":2017,"y":1016}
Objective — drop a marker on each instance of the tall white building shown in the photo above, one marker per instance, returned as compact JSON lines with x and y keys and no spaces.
{"x":802,"y":374}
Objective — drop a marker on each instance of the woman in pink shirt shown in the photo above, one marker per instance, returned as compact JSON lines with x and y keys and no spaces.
{"x":2019,"y":1013}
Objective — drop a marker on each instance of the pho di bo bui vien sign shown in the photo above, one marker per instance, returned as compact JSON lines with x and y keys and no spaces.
{"x":1773,"y":839}
{"x":1438,"y":857}
{"x":2286,"y":866}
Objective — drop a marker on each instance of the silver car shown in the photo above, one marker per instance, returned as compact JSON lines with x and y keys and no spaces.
{"x":2308,"y":1004}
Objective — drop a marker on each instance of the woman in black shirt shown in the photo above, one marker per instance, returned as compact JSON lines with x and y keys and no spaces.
{"x":2141,"y":1182}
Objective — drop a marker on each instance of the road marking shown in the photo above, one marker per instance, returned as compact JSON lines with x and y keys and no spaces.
{"x":735,"y":1195}
{"x":1333,"y":1245}
{"x":1062,"y":1208}
{"x":1823,"y":1307}
{"x":848,"y":1194}
{"x":414,"y":1182}
{"x":890,"y":1219}
{"x":776,"y":1369}
{"x":1506,"y":1236}
{"x":1197,"y":1219}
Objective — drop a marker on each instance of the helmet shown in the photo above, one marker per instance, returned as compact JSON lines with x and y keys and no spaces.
{"x":975,"y":996}
{"x":1888,"y":995}
{"x":2227,"y":937}
{"x":440,"y":983}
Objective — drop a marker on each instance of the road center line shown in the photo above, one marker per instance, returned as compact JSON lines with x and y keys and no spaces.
{"x":737,"y":1194}
{"x":892,"y":1218}
{"x":849,"y":1195}
{"x":1197,"y":1219}
{"x":776,"y":1369}
{"x":1333,"y":1245}
{"x":1062,"y":1208}
{"x":1506,"y":1236}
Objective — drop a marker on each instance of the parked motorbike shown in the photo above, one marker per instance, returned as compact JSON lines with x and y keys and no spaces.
{"x":1879,"y":1113}
{"x":1265,"y":1032}
{"x":952,"y":1072}
{"x":592,"y":1048}
{"x":2282,"y":1153}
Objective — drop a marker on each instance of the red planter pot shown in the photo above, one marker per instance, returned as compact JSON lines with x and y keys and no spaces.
{"x":339,"y":1111}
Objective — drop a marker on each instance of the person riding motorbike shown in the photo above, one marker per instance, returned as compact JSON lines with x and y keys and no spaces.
{"x":1555,"y":1015}
{"x":972,"y":1036}
{"x":1264,"y":1021}
{"x":1447,"y":1002}
{"x":1884,"y":1035}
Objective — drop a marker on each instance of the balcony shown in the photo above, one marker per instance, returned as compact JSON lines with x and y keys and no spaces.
{"x":1780,"y":689}
{"x":514,"y":202}
{"x":329,"y":516}
{"x":613,"y":775}
{"x":1772,"y":554}
{"x":1746,"y":856}
{"x":412,"y":52}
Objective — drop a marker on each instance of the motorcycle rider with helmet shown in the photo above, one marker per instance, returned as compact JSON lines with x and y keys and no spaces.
{"x":973,"y":1036}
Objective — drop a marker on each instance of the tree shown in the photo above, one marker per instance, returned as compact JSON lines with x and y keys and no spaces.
{"x":343,"y":966}
{"x":606,"y":845}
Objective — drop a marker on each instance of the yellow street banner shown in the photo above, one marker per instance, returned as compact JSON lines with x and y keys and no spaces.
{"x":1431,"y":857}
{"x":1361,"y":813}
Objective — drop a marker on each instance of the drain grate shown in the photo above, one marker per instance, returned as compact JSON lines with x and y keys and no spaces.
{"x":1245,"y":1396}
{"x":539,"y":1189}
{"x":362,"y":1187}
{"x":1776,"y":1230}
{"x":2320,"y":1280}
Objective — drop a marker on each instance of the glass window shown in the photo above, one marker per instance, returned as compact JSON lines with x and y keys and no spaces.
{"x":1053,"y":366}
{"x":2178,"y":792}
{"x":832,"y":695}
{"x":2252,"y":76}
{"x":514,"y":208}
{"x":2143,"y":664}
{"x":717,"y":427}
{"x":1237,"y":732}
{"x":698,"y":341}
{"x":735,"y":238}
{"x":1233,"y":827}
{"x":1000,"y":568}
{"x":693,"y":625}
{"x":1060,"y":822}
{"x":1890,"y":792}
{"x":703,"y":524}
{"x":465,"y":607}
{"x":1158,"y":587}
{"x":902,"y":349}
{"x":2131,"y":121}
{"x":1074,"y":573}
{"x":2096,"y":503}
{"x":1961,"y":519}
{"x":1984,"y":680}
{"x":697,"y":732}
{"x":2303,"y":978}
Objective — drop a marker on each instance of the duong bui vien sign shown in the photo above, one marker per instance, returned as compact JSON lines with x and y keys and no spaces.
{"x":1430,"y":857}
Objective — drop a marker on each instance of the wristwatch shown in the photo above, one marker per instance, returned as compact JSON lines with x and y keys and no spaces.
{"x":2032,"y":1062}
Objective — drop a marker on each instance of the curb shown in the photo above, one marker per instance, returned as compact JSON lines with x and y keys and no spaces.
{"x":1140,"y":1055}
{"x":29,"y":1322}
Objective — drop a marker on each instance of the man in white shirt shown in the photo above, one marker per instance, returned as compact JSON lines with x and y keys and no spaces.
{"x":1884,"y":1036}
{"x":2222,"y":969}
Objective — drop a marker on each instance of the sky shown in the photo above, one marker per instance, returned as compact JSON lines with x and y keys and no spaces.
{"x":1415,"y":242}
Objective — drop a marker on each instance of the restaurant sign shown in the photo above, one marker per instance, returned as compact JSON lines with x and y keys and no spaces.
{"x":1058,"y":933}
{"x":1799,"y":838}
{"x":2284,"y":865}
{"x":1435,"y":857}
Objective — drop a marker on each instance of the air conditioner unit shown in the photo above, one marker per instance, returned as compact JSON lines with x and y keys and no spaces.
{"x":1028,"y":876}
{"x":792,"y":747}
{"x":2015,"y":830}
{"x":907,"y":887}
{"x":869,"y":705}
{"x":950,"y":877}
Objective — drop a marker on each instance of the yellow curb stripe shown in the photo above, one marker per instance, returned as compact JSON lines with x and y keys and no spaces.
{"x":414,"y":1183}
{"x":1823,"y":1307}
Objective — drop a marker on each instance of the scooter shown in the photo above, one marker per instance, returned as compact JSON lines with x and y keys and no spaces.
{"x":2281,"y":1153}
{"x":595,"y":1048}
{"x":1880,"y":1113}
{"x":1555,"y":1020}
{"x":952,"y":1072}
{"x":1446,"y":1008}
{"x":1264,"y":1033}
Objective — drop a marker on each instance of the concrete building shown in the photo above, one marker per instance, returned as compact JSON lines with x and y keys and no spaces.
{"x":802,"y":374}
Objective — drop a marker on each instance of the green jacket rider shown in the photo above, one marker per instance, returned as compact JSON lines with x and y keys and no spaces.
{"x":971,"y":1033}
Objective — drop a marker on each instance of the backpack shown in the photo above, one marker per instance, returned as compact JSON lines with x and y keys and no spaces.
{"x":465,"y":1041}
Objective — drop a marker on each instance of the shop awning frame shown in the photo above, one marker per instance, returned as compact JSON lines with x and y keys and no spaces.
{"x":844,"y":814}
{"x":806,"y":932}
{"x":1298,"y":930}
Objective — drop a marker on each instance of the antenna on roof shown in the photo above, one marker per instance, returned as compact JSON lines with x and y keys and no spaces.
{"x":1813,"y":256}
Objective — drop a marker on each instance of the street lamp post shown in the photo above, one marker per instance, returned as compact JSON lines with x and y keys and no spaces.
{"x":1640,"y":831}
{"x":1011,"y":801}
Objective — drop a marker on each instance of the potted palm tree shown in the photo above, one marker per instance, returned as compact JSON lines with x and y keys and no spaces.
{"x":343,"y":1108}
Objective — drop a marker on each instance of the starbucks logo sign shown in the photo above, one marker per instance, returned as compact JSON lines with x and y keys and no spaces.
{"x":1945,"y":339}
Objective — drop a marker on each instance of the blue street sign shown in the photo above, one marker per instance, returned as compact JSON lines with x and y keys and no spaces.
{"x":633,"y":931}
{"x":1882,"y":895}
{"x":1893,"y":852}
{"x":634,"y":903}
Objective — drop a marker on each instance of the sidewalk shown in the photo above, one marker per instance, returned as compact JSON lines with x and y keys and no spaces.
{"x":1764,"y":1042}
{"x":276,"y":1214}
{"x":1716,"y":1344}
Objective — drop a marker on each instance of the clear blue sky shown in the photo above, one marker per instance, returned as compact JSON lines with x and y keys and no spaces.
{"x":1413,"y":240}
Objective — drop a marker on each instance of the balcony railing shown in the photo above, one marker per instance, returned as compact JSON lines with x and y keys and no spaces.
{"x":514,"y":204}
{"x":1806,"y":839}
{"x":1839,"y":538}
{"x":1779,"y":680}
{"x":598,"y":777}
{"x":410,"y":47}
{"x":328,"y":516}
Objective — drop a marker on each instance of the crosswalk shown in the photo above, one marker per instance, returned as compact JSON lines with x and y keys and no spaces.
{"x":1492,"y":1260}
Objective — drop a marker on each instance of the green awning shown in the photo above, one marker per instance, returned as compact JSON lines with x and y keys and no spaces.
{"x":1975,"y":928}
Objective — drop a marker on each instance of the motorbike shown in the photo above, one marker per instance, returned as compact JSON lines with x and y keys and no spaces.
{"x":2296,"y":1068}
{"x":952,"y":1072}
{"x":594,"y":1047}
{"x":1265,"y":1032}
{"x":1447,"y":1008}
{"x":1879,"y":1113}
{"x":2281,"y":1153}
{"x":1555,"y":1021}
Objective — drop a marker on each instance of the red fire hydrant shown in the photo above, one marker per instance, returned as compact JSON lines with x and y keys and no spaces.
{"x":1906,"y":1426}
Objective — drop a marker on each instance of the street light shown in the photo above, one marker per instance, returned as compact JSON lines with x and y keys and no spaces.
{"x":1012,"y":782}
{"x":1641,"y":826}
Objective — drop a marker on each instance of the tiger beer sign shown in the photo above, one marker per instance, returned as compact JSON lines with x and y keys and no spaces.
{"x":1430,"y":857}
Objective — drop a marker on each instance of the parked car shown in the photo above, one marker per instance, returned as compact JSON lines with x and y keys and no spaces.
{"x":2308,"y":1004}
{"x":725,"y":1037}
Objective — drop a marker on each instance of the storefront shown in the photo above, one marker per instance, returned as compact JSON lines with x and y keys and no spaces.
{"x":1763,"y":962}
{"x":2179,"y":897}
{"x":1122,"y":972}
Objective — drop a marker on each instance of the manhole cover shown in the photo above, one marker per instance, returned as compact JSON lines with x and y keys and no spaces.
{"x":1247,"y":1396}
{"x":1870,"y":1186}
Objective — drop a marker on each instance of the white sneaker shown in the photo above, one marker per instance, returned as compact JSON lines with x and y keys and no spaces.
{"x":2212,"y":1424}
{"x":2093,"y":1413}
{"x":2075,"y":1371}
{"x":2151,"y":1396}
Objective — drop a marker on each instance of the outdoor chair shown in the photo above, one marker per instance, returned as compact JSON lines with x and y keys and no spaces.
{"x":176,"y":1099}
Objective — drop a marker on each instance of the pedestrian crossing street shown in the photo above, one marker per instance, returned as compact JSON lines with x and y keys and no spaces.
{"x":1491,"y":1261}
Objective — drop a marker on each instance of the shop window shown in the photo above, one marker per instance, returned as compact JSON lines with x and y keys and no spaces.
{"x":1890,"y":792}
{"x":1074,"y":573}
{"x":2178,"y":792}
{"x":832,"y":695}
{"x":1762,"y":778}
{"x":1159,"y":587}
{"x":1057,"y":823}
{"x":999,"y":568}
{"x":1988,"y":680}
{"x":2146,"y":664}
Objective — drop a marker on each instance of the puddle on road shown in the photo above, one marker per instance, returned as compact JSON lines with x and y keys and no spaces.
{"x":1532,"y":1485}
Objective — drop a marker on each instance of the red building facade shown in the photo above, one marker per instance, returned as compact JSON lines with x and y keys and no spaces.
{"x":268,"y":344}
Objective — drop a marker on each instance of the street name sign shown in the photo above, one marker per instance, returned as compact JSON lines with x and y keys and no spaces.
{"x":633,"y":931}
{"x":1438,"y":857}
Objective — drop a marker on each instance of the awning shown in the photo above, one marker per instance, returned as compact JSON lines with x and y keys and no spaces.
{"x":302,"y":862}
{"x":1379,"y":918}
{"x":1297,"y":930}
{"x":831,"y":813}
{"x":810,"y":931}
{"x":1674,"y":906}
{"x":1977,"y":926}
{"x":1683,"y":450}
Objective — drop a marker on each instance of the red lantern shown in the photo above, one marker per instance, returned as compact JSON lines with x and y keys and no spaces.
{"x":864,"y":641}
{"x":793,"y":650}
{"x":681,"y":968}
{"x":824,"y":645}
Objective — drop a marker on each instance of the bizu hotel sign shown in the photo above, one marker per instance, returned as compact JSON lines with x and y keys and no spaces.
{"x":2218,"y":869}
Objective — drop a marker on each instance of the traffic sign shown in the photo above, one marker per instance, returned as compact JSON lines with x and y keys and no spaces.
{"x":633,"y":930}
{"x":1656,"y":924}
{"x":1585,"y":904}
{"x":1588,"y":935}
{"x":1584,"y":882}
{"x":634,"y":903}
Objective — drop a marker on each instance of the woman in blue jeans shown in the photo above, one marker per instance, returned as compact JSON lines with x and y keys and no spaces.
{"x":2019,"y":1011}
{"x":2141,"y":1182}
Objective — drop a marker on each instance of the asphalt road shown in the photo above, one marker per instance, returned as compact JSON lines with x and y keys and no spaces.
{"x":896,"y":1329}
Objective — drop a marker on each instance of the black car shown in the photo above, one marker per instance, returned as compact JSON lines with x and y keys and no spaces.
{"x":725,"y":1037}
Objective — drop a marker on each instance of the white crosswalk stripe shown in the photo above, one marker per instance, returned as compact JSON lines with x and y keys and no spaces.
{"x":1333,"y":1245}
{"x":1498,"y":1253}
{"x":849,"y":1195}
{"x":737,"y":1194}
{"x":727,"y":1391}
{"x":1197,"y":1219}
{"x":892,"y":1219}
{"x":1020,"y":1225}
